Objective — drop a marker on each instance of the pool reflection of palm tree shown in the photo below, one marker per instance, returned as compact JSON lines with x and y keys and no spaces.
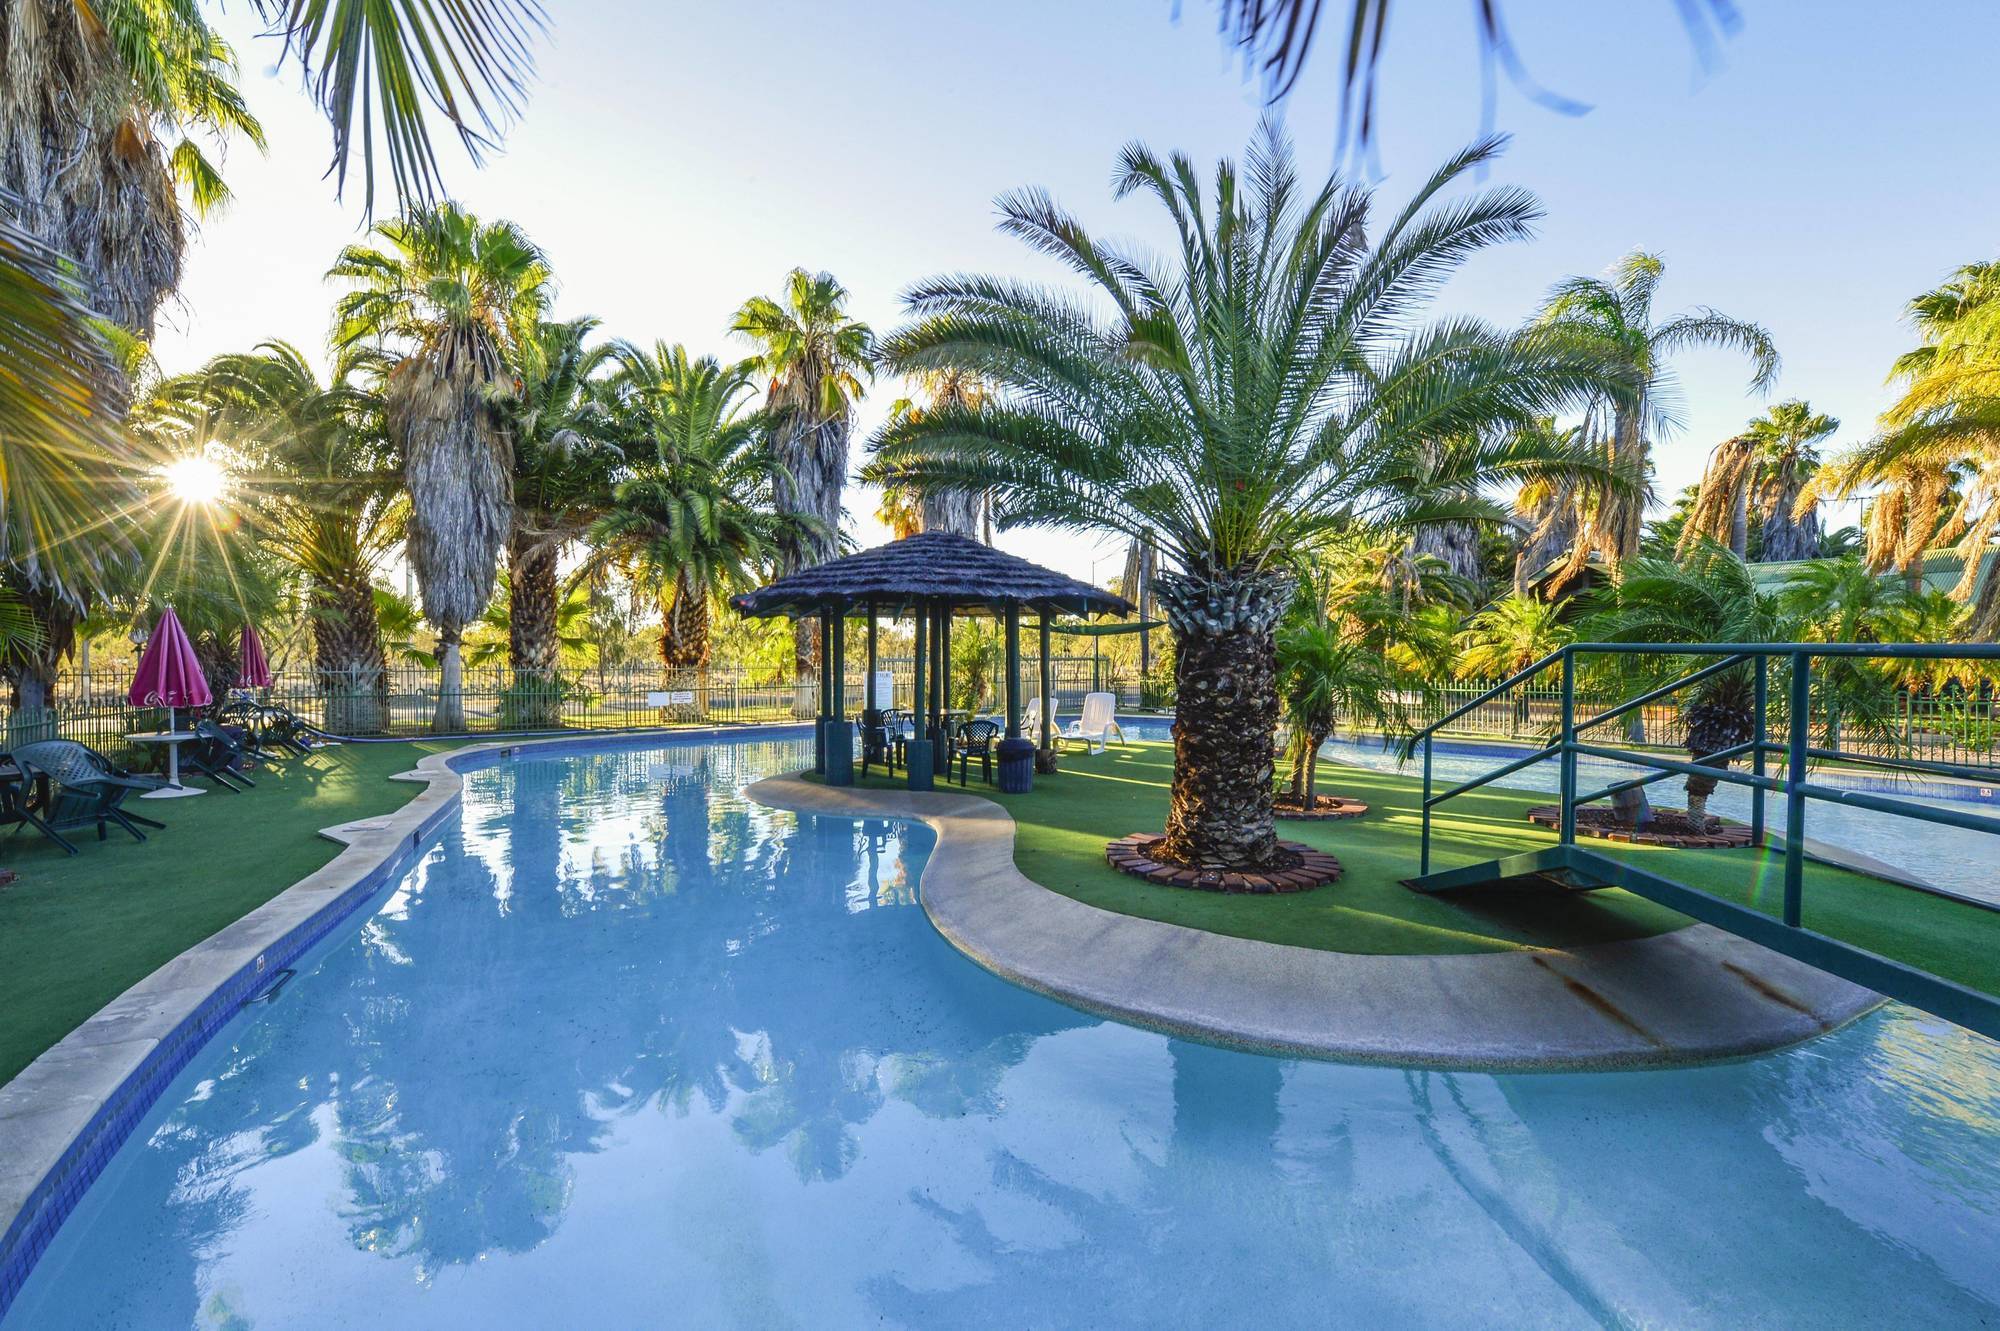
{"x":1210,"y":1203}
{"x":769,"y":985}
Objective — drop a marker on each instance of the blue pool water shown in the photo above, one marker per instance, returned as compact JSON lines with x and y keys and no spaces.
{"x":624,"y":1049}
{"x":1952,"y":858}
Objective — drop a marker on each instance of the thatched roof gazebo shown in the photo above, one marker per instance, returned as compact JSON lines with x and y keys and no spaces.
{"x":931,"y":576}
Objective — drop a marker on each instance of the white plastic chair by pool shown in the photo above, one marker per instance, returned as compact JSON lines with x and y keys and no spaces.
{"x":1099,"y":721}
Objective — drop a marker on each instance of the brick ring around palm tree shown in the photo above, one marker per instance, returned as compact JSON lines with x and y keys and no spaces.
{"x":1669,"y":827}
{"x":1324,"y":807}
{"x":1134,"y":855}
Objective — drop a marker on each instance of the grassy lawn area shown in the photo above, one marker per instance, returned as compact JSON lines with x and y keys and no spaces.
{"x":77,"y":932}
{"x":1065,"y":821}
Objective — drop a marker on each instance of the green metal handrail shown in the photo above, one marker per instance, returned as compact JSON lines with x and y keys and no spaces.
{"x":1980,"y":1011}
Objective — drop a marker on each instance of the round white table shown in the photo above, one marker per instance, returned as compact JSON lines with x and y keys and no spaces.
{"x":173,"y":739}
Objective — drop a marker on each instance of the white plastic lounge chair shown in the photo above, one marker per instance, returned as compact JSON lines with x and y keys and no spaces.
{"x":1031,"y":720}
{"x":1099,"y":721}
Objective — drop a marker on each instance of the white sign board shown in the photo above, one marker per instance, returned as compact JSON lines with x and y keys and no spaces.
{"x":679,"y":698}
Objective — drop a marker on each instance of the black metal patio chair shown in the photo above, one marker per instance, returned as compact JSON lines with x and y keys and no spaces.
{"x":217,"y":755}
{"x":284,"y":727}
{"x":975,"y":739}
{"x":880,"y":733}
{"x":82,"y":793}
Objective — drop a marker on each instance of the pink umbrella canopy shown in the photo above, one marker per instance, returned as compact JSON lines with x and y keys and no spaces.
{"x":169,"y":672}
{"x":256,"y":673}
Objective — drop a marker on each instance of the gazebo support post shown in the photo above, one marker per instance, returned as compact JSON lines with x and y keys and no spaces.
{"x":1017,"y":755}
{"x":871,"y":706}
{"x":917,"y":756}
{"x":825,"y":695}
{"x":934,"y":714}
{"x":839,"y":734}
{"x":1047,"y":739}
{"x":944,"y":669}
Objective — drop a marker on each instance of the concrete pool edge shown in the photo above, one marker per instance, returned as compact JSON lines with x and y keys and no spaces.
{"x":64,"y":1115}
{"x":1695,"y":995}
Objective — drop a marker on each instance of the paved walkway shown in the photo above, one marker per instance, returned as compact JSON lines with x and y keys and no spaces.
{"x":1696,"y":994}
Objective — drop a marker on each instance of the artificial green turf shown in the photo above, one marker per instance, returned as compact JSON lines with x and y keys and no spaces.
{"x":1065,"y":821}
{"x":77,"y":932}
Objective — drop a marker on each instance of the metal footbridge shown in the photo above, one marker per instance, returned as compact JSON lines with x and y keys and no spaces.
{"x":1808,"y":722}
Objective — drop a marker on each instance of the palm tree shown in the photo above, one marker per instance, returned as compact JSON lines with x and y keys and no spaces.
{"x":1264,"y":387}
{"x":900,"y":511}
{"x":98,"y":112}
{"x":321,"y":483}
{"x":565,"y":465}
{"x":1325,"y":677}
{"x":952,"y":510}
{"x":699,"y":516}
{"x":66,"y":470}
{"x":1549,"y":511}
{"x":1510,"y":635}
{"x":1721,"y":508}
{"x":1614,"y":315}
{"x":90,"y":97}
{"x":814,"y":357}
{"x":1507,"y":637}
{"x":453,"y":297}
{"x":1787,"y":509}
{"x":1937,"y":459}
{"x":1705,"y":596}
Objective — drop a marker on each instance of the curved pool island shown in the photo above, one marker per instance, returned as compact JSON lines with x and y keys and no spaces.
{"x":1683,"y":996}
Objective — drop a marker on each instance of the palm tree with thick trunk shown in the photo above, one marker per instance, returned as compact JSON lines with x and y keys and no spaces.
{"x":698,"y":516}
{"x":1614,"y":315}
{"x":1263,"y":386}
{"x":322,"y":485}
{"x":1721,"y":508}
{"x":104,"y":110}
{"x":1785,"y":438}
{"x":814,"y":358}
{"x":452,"y":298}
{"x":1935,"y":465}
{"x":565,"y":466}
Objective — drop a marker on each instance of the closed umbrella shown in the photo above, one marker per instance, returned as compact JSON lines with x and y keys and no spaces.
{"x":170,"y":676}
{"x":256,"y":673}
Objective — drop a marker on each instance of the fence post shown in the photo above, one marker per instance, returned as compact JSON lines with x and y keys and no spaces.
{"x":1795,"y":800}
{"x":1568,"y":835}
{"x":1762,"y":685}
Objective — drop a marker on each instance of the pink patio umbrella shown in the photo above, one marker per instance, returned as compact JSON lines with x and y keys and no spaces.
{"x":256,"y":672}
{"x":169,"y":676}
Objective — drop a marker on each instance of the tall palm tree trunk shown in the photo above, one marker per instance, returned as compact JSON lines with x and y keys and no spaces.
{"x":448,"y":717}
{"x":1788,"y":533}
{"x":1226,"y":717}
{"x":457,"y":465}
{"x":1456,"y":545}
{"x":814,"y":461}
{"x":684,"y":630}
{"x":349,"y":656}
{"x":33,"y":673}
{"x":534,"y":645}
{"x":1625,"y":513}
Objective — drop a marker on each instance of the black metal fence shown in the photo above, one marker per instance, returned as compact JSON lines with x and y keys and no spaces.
{"x":405,"y":701}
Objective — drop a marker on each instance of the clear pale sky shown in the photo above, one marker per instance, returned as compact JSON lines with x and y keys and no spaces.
{"x":676,"y":158}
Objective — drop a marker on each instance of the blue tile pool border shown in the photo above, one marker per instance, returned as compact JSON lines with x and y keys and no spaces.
{"x":52,"y":1200}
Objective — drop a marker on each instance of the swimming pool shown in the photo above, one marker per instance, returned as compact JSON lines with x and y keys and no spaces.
{"x":626,"y":1049}
{"x":1952,"y":858}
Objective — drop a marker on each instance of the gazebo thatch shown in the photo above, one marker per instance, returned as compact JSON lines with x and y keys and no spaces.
{"x":932,"y":577}
{"x":934,"y":570}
